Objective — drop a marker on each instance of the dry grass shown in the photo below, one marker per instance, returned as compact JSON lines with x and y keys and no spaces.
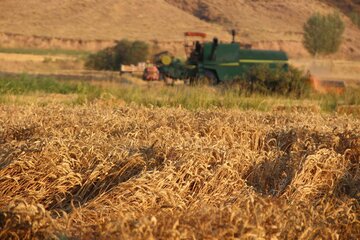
{"x":148,"y":20}
{"x":106,"y":20}
{"x":40,"y":65}
{"x":109,"y":172}
{"x":270,"y":20}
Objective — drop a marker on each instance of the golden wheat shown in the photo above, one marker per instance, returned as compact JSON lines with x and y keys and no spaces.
{"x":110,"y":172}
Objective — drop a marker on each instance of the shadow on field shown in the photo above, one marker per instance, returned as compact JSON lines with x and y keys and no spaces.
{"x":16,"y":140}
{"x":349,"y":183}
{"x":272,"y":176}
{"x":144,"y":159}
{"x":286,"y":153}
{"x":8,"y":153}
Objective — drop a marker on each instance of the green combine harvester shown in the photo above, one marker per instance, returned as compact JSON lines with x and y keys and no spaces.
{"x":215,"y":61}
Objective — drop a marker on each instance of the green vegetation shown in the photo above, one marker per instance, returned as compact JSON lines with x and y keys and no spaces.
{"x":35,"y":51}
{"x":323,"y":34}
{"x":330,"y":102}
{"x":124,"y":52}
{"x":190,"y":97}
{"x":224,"y":97}
{"x":265,"y":80}
{"x":24,"y":84}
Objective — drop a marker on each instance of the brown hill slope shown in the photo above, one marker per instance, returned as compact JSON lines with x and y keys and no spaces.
{"x":266,"y":20}
{"x":266,"y":23}
{"x":99,"y":19}
{"x":259,"y":20}
{"x":346,"y":5}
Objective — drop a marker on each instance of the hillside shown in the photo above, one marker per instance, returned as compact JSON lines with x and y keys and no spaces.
{"x":346,"y":5}
{"x":269,"y":20}
{"x":274,"y":24}
{"x":100,"y":19}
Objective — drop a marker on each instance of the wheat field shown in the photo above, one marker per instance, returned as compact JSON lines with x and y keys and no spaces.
{"x":105,"y":171}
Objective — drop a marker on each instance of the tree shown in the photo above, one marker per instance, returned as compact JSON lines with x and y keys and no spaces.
{"x":323,"y":34}
{"x":124,"y":52}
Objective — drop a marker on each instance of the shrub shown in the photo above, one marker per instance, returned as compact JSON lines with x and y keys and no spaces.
{"x":124,"y":52}
{"x":323,"y":34}
{"x":203,"y":12}
{"x":102,"y":60}
{"x":268,"y":80}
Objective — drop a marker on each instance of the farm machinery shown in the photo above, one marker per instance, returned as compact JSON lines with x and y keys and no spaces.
{"x":215,"y":61}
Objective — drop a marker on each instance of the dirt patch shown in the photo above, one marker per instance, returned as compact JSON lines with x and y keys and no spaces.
{"x":33,"y":58}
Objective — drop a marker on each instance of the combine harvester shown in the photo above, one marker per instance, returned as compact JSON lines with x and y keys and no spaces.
{"x":216,"y":62}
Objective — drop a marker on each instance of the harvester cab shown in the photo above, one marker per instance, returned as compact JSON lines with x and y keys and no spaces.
{"x":193,"y":42}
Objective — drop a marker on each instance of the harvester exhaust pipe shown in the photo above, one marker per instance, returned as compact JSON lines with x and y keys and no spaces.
{"x":233,"y":33}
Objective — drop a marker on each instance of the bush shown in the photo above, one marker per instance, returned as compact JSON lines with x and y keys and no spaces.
{"x":203,"y":12}
{"x":266,"y":80}
{"x":124,"y":52}
{"x":323,"y":34}
{"x":102,"y":60}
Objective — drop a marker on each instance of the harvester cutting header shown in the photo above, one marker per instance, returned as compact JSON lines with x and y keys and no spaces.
{"x":215,"y":61}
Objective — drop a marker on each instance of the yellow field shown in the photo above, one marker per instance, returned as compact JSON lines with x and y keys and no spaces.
{"x":105,"y":171}
{"x":98,"y":155}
